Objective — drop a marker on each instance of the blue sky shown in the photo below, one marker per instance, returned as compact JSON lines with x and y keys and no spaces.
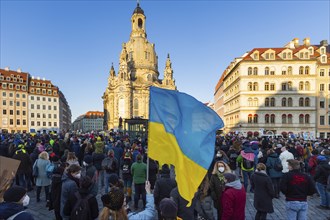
{"x":73,"y":43}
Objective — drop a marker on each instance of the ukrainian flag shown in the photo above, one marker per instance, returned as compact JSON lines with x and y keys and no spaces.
{"x":182,"y":133}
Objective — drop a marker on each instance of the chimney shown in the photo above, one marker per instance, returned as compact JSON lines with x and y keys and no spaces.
{"x":19,"y":70}
{"x":307,"y":42}
{"x":296,"y":42}
{"x":7,"y":68}
{"x":324,"y":43}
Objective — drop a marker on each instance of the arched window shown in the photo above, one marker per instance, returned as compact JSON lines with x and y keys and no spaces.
{"x":255,"y":86}
{"x":301,"y":119}
{"x":307,"y":70}
{"x":307,"y":86}
{"x":307,"y":119}
{"x":250,"y":118}
{"x":136,"y":107}
{"x":290,"y":70}
{"x":283,"y":101}
{"x":140,"y":23}
{"x":301,"y":70}
{"x":289,"y":85}
{"x":272,"y":102}
{"x":290,"y":102}
{"x":255,"y":71}
{"x":301,"y":85}
{"x":306,"y":55}
{"x":267,"y":71}
{"x":267,"y":102}
{"x":149,"y":78}
{"x":250,"y":102}
{"x":250,"y":71}
{"x":284,"y":86}
{"x":267,"y":119}
{"x":250,"y":86}
{"x":255,"y":119}
{"x":307,"y":102}
{"x":272,"y":118}
{"x":255,"y":102}
{"x":301,"y":102}
{"x":267,"y":86}
{"x":289,"y":119}
{"x":284,"y":119}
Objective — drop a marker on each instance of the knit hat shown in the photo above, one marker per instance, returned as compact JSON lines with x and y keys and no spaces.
{"x":88,"y":159}
{"x":168,"y":208}
{"x":114,"y":200}
{"x":14,"y":194}
{"x":113,"y":179}
{"x":230,"y":177}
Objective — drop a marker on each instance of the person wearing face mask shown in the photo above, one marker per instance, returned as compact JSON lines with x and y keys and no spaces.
{"x":70,"y":183}
{"x":217,"y":184}
{"x":15,"y":199}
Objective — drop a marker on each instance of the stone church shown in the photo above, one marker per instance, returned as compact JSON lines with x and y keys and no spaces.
{"x":127,"y":93}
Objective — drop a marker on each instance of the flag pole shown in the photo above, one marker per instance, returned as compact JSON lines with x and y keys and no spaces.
{"x":148,"y":138}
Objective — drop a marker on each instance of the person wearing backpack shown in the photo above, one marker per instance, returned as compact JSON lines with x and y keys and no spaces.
{"x":82,"y":204}
{"x":274,"y":170}
{"x":246,"y":159}
{"x":321,"y":177}
{"x":111,"y":166}
{"x":42,"y":179}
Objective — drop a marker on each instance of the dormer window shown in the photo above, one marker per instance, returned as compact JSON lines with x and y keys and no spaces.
{"x":301,"y":55}
{"x":306,"y":55}
{"x":271,"y":56}
{"x":311,"y":50}
{"x":289,"y":55}
{"x":49,"y":85}
{"x":44,"y":85}
{"x":15,"y":80}
{"x":323,"y":59}
{"x":20,"y":80}
{"x":8,"y":78}
{"x":284,"y":55}
{"x":267,"y":56}
{"x":38,"y":84}
{"x":32,"y":83}
{"x":322,"y":50}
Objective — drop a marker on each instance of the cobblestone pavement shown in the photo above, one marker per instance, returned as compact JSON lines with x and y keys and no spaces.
{"x":40,"y":212}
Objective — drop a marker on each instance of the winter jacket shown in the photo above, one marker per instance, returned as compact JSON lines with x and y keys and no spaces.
{"x":139,"y":172}
{"x":204,"y":207}
{"x":110,"y":165}
{"x":118,"y":153}
{"x":216,"y":188}
{"x":127,"y":163}
{"x":312,"y":163}
{"x":92,"y":202}
{"x":153,"y":170}
{"x":233,"y":201}
{"x":76,"y":148}
{"x":271,"y":161}
{"x":163,"y":188}
{"x":97,"y":160}
{"x":296,"y":186}
{"x":25,"y":167}
{"x":56,"y":188}
{"x":68,"y":186}
{"x":42,"y":178}
{"x":232,"y":155}
{"x":148,"y":213}
{"x":184,"y":212}
{"x":8,"y":209}
{"x":248,"y":154}
{"x":284,"y":156}
{"x":99,"y":147}
{"x":322,"y":172}
{"x":263,"y":192}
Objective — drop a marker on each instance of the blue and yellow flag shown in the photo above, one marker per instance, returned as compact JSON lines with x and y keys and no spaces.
{"x":182,"y":133}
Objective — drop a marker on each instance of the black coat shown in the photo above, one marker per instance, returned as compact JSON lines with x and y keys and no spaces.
{"x":263,"y":192}
{"x":25,"y":167}
{"x":184,"y":212}
{"x":163,"y":188}
{"x":322,"y":172}
{"x":216,"y":188}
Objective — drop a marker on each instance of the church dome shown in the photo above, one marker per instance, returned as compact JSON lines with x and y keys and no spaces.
{"x":138,"y":10}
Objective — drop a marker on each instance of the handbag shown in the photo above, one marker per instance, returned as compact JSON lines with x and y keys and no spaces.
{"x":35,"y":171}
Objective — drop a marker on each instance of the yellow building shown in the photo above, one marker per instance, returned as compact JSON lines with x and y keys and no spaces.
{"x":127,"y":94}
{"x":277,"y":90}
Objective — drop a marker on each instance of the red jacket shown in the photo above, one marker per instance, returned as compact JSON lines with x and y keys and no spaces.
{"x":312,"y":163}
{"x":233,"y":204}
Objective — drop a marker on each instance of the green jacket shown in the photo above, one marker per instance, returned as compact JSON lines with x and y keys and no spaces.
{"x":139,"y":172}
{"x":99,"y":147}
{"x":239,"y":160}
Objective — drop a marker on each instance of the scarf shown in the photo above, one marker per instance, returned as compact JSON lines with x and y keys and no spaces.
{"x":221,"y":177}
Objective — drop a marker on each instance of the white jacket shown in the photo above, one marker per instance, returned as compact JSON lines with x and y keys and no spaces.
{"x":284,"y":156}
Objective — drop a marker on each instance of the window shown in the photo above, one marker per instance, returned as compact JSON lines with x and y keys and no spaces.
{"x":38,"y":98}
{"x":23,"y":96}
{"x":267,"y":71}
{"x":307,"y":102}
{"x":255,"y":86}
{"x":44,"y":123}
{"x":255,"y":71}
{"x":267,"y":102}
{"x":322,"y":120}
{"x":301,"y":102}
{"x":283,"y":119}
{"x":301,"y":55}
{"x":283,"y":102}
{"x":321,"y":87}
{"x":18,"y":122}
{"x":43,"y":115}
{"x":49,"y":99}
{"x":290,"y":70}
{"x":17,"y":95}
{"x":255,"y":102}
{"x":11,"y":112}
{"x":290,"y":102}
{"x":11,"y":103}
{"x":49,"y":115}
{"x":55,"y":100}
{"x":32,"y":123}
{"x":23,"y":112}
{"x":272,"y":86}
{"x":267,"y":119}
{"x":283,"y":72}
{"x":250,"y":118}
{"x":301,"y":85}
{"x":272,"y":72}
{"x":290,"y":86}
{"x":284,"y":55}
{"x":43,"y":107}
{"x":4,"y":102}
{"x":272,"y":102}
{"x":289,"y":119}
{"x":307,"y":70}
{"x":17,"y":103}
{"x":55,"y":116}
{"x":4,"y":85}
{"x":11,"y":121}
{"x":4,"y":94}
{"x":55,"y":123}
{"x":250,"y":86}
{"x":301,"y":119}
{"x":321,"y":72}
{"x":255,"y":119}
{"x":307,"y":86}
{"x":17,"y":112}
{"x":38,"y":106}
{"x":38,"y":115}
{"x":32,"y":115}
{"x":250,"y":71}
{"x":307,"y":119}
{"x":49,"y":124}
{"x":323,"y":59}
{"x":4,"y":112}
{"x":32,"y":97}
{"x":250,"y":103}
{"x":55,"y":108}
{"x":24,"y":122}
{"x":271,"y":56}
{"x":38,"y":123}
{"x":301,"y":70}
{"x":32,"y":106}
{"x":283,"y":86}
{"x":49,"y":107}
{"x":322,"y":104}
{"x":272,"y":118}
{"x":11,"y":94}
{"x":266,"y":86}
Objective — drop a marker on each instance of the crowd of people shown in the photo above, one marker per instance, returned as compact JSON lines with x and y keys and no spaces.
{"x":73,"y":169}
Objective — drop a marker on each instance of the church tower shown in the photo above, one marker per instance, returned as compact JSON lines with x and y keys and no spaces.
{"x":127,"y":93}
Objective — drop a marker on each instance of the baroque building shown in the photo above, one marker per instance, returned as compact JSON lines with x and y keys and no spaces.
{"x":127,"y":93}
{"x":278,"y":90}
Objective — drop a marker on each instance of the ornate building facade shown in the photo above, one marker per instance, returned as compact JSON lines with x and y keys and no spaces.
{"x":127,"y":93}
{"x":90,"y":121}
{"x":278,"y":90}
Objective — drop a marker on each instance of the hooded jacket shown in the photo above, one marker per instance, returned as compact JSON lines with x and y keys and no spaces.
{"x":233,"y":201}
{"x":8,"y":209}
{"x":248,"y":154}
{"x":322,"y":172}
{"x":68,"y":186}
{"x":271,"y":161}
